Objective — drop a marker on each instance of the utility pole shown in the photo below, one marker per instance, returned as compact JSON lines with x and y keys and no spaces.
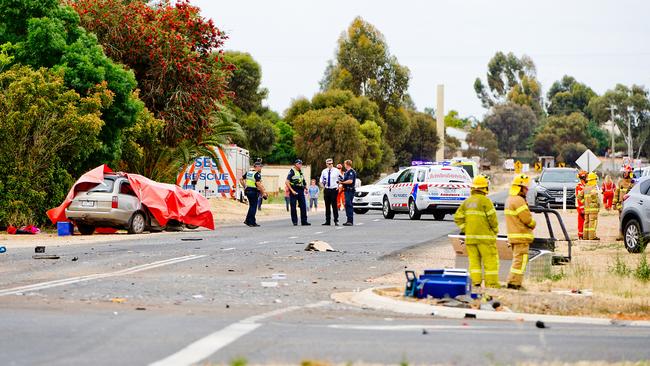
{"x":612,"y":108}
{"x":440,"y":122}
{"x":630,"y":148}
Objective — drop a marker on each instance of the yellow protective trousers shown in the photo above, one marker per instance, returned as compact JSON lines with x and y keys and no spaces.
{"x":519,"y":262}
{"x":591,"y":224}
{"x":487,"y":255}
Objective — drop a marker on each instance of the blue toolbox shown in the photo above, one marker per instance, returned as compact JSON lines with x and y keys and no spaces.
{"x":438,"y":283}
{"x":64,"y":228}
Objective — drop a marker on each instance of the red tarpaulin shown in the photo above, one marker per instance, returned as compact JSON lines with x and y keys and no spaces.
{"x":164,"y":201}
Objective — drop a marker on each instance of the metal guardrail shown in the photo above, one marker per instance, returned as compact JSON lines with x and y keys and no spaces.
{"x":547,"y":212}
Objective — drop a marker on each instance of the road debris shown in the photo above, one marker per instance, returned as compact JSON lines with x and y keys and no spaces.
{"x":227,"y":249}
{"x":3,"y":249}
{"x":39,"y":249}
{"x":279,"y":276}
{"x":140,"y":308}
{"x":269,"y":284}
{"x":540,"y":324}
{"x":199,"y":296}
{"x":45,"y":256}
{"x":118,"y":300}
{"x":191,"y":239}
{"x":74,"y":259}
{"x":424,"y":331}
{"x":319,"y":246}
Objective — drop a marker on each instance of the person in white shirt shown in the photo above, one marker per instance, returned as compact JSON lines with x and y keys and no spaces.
{"x":329,"y":180}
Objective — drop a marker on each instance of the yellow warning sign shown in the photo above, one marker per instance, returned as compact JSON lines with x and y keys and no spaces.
{"x":518,"y":166}
{"x":538,"y":167}
{"x":561,"y":164}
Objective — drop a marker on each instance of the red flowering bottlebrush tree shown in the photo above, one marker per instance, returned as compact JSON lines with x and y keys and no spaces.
{"x":175,"y":54}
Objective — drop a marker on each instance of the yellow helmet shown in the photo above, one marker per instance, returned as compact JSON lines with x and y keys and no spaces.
{"x":592,"y":177}
{"x":520,"y":180}
{"x":480,"y":182}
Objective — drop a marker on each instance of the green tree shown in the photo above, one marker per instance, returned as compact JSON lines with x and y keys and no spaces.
{"x":245,"y":81}
{"x":46,"y":128}
{"x":329,"y":132}
{"x":513,"y":125}
{"x":570,"y":152}
{"x":284,"y":151}
{"x":510,"y":79}
{"x":365,"y":66}
{"x":46,"y":34}
{"x":567,"y":96}
{"x":453,"y":120}
{"x":260,"y":135}
{"x":483,"y":142}
{"x":632,"y":104}
{"x":560,"y":130}
{"x":422,"y":141}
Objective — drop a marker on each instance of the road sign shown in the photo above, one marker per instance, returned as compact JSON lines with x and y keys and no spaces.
{"x":518,"y":166}
{"x":538,"y":167}
{"x":588,"y":161}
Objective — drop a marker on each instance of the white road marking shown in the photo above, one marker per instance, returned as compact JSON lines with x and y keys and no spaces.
{"x":318,"y":232}
{"x":375,"y":220}
{"x":340,"y":228}
{"x":402,"y":327}
{"x":293,"y":237}
{"x":264,"y":242}
{"x":208,"y":345}
{"x":359,"y":224}
{"x":72,"y":280}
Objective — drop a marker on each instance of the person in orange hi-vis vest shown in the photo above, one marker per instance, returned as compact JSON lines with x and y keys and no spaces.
{"x":608,"y":189}
{"x":580,"y":204}
{"x":340,"y":198}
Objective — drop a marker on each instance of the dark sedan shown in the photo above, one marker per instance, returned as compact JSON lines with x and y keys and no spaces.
{"x":549,"y":188}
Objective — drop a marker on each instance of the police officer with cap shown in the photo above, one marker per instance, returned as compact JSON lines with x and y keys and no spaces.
{"x":296,"y":185}
{"x":252,"y":181}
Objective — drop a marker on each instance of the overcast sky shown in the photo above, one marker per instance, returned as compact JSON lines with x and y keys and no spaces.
{"x":448,"y":42}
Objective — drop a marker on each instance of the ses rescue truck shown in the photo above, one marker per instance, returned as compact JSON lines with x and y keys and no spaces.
{"x":217,"y":179}
{"x":437,"y":189}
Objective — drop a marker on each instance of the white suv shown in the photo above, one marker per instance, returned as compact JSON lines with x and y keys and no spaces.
{"x":435,"y":189}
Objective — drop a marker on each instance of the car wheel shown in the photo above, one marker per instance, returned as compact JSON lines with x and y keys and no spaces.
{"x":414,"y":214}
{"x":360,"y":211}
{"x":85,"y":229}
{"x":386,"y":210}
{"x":632,"y":236}
{"x":439,"y":215}
{"x":137,"y":223}
{"x":191,"y":227}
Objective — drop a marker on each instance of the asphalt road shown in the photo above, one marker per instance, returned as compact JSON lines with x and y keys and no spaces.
{"x":170,"y":301}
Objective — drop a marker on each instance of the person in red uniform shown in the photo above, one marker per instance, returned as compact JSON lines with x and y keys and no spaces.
{"x":608,"y":189}
{"x":580,"y":204}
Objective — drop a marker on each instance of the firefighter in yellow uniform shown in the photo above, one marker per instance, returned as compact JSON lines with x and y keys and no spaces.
{"x":622,"y":188}
{"x":590,"y":197}
{"x":520,"y":224}
{"x":477,"y":218}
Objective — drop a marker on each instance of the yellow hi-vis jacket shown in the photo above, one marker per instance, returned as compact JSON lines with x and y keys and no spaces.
{"x":592,"y":202}
{"x":622,"y":188}
{"x":519,"y":220}
{"x":477,"y":218}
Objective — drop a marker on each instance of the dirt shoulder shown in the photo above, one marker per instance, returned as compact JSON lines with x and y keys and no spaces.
{"x":603,"y":279}
{"x":226,"y":212}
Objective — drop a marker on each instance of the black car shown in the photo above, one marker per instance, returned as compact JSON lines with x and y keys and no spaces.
{"x":549,"y":187}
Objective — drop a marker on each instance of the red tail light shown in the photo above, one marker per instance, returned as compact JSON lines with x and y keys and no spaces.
{"x":423,"y":187}
{"x":626,"y":197}
{"x":114,"y":202}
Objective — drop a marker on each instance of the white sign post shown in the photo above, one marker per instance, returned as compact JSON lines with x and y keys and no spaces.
{"x":588,"y":161}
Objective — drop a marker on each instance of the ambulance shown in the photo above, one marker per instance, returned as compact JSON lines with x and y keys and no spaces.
{"x":436,"y":189}
{"x":217,"y":178}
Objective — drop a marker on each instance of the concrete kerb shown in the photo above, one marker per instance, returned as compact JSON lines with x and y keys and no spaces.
{"x":369,"y":299}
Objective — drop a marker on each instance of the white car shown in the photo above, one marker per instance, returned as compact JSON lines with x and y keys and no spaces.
{"x":435,"y":189}
{"x":369,"y":197}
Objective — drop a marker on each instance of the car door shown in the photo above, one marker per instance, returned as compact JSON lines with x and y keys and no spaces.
{"x":127,"y":199}
{"x":644,"y":201}
{"x":399,"y":192}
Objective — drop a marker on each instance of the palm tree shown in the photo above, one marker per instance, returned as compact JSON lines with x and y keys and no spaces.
{"x":163,"y":163}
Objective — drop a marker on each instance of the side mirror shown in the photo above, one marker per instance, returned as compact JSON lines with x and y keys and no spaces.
{"x":391,"y":181}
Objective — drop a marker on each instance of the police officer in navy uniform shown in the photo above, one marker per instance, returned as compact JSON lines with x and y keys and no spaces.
{"x":349,"y":179}
{"x":296,"y":185}
{"x":252,"y":181}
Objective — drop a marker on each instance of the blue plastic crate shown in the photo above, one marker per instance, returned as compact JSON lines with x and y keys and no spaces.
{"x":64,"y":228}
{"x":441,"y":283}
